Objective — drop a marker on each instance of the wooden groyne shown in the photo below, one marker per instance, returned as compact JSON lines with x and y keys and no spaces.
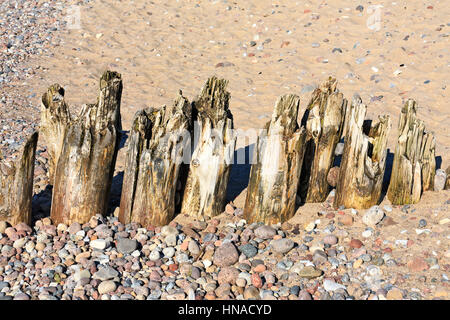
{"x":171,"y":168}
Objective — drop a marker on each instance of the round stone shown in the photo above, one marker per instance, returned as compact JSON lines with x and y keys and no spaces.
{"x":248,"y":250}
{"x":356,"y":244}
{"x":226,"y":255}
{"x":282,"y":245}
{"x":228,"y":275}
{"x":107,"y":287}
{"x":126,"y":246}
{"x":330,"y":239}
{"x":168,"y":252}
{"x":251,"y":293}
{"x":373,"y":216}
{"x":265,"y":232}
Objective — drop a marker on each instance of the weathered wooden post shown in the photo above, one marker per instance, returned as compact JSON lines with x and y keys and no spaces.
{"x":155,"y":152}
{"x":363,"y":161}
{"x":85,"y":167}
{"x":326,"y":114}
{"x":274,"y":176}
{"x":16,"y":184}
{"x":55,"y":117}
{"x":447,"y":183}
{"x":414,"y":160}
{"x":209,"y":171}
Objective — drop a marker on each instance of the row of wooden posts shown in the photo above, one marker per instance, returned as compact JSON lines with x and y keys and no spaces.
{"x":292,"y":160}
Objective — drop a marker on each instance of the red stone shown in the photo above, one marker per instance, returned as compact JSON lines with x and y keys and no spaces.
{"x":346,"y":220}
{"x":356,"y":244}
{"x":417,"y":265}
{"x":256,"y":280}
{"x":259,"y":268}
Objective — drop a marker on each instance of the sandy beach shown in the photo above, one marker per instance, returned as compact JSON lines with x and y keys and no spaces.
{"x":386,"y":52}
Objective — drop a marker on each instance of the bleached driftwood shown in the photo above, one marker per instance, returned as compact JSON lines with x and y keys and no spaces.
{"x":414,"y":160}
{"x":274,"y":175}
{"x":209,"y":170}
{"x":85,"y":167}
{"x":16,"y":184}
{"x":55,"y":117}
{"x":154,"y":159}
{"x":363,"y":161}
{"x":326,"y":114}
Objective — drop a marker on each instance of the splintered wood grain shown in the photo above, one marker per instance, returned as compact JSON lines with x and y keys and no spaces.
{"x":363,"y":162}
{"x":274,"y":175}
{"x":210,"y":166}
{"x":16,"y":184}
{"x":85,"y":167}
{"x":155,"y":156}
{"x":414,"y":160}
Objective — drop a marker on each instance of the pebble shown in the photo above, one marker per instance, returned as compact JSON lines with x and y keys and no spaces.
{"x":355,"y":243}
{"x":304,"y":295}
{"x":330,"y":239}
{"x":332,"y":286}
{"x":394,"y":294}
{"x":106,"y":287}
{"x":418,"y":264}
{"x":282,"y":245}
{"x":310,"y":226}
{"x":248,"y":250}
{"x":310,"y":272}
{"x":367,"y":233}
{"x":228,"y":275}
{"x":439,"y":180}
{"x":251,"y":293}
{"x":225,"y":255}
{"x":333,"y":176}
{"x":126,"y":246}
{"x":105,"y":273}
{"x":422,"y":223}
{"x":265,"y":232}
{"x":373,"y":216}
{"x":99,"y":244}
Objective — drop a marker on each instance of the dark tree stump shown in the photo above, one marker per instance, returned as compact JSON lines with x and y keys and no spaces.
{"x":155,"y":154}
{"x":85,"y":167}
{"x":363,"y":161}
{"x":16,"y":185}
{"x":274,"y":175}
{"x":414,"y":160}
{"x":326,"y":114}
{"x":209,"y":170}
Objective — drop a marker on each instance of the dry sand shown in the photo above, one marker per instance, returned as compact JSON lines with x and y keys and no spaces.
{"x":162,"y":46}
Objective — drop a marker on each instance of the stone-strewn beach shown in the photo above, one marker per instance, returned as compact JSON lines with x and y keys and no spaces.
{"x":265,"y":50}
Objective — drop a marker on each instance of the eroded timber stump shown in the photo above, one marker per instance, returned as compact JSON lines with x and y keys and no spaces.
{"x":16,"y":184}
{"x":209,"y":169}
{"x":274,"y":175}
{"x":85,"y":167}
{"x":155,"y":154}
{"x":55,"y":117}
{"x":363,"y":161}
{"x":414,"y":164}
{"x":325,"y":119}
